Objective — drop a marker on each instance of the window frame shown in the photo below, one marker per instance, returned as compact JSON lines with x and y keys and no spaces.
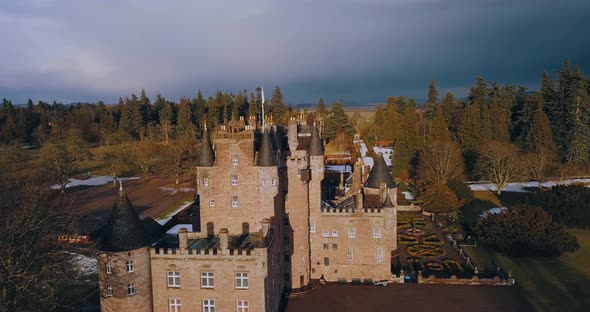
{"x":334,"y":233}
{"x":235,"y":161}
{"x":325,"y":233}
{"x":130,"y":266}
{"x":131,"y":291}
{"x":109,"y":267}
{"x":212,"y":203}
{"x":208,"y":305}
{"x":234,"y":201}
{"x":349,"y":254}
{"x":109,"y":290}
{"x":380,"y":255}
{"x":174,"y":304}
{"x":205,"y":182}
{"x":241,"y":280}
{"x":352,"y":232}
{"x":242,"y":306}
{"x":234,"y":179}
{"x":377,"y":232}
{"x":312,"y":227}
{"x":209,"y":278}
{"x":175,"y":276}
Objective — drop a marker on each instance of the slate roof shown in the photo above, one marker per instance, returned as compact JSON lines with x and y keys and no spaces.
{"x":124,"y":231}
{"x":207,"y":156}
{"x":380,"y":174}
{"x":266,"y":156}
{"x":315,"y":148}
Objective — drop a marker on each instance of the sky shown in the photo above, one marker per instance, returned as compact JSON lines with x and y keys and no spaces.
{"x":357,"y":51}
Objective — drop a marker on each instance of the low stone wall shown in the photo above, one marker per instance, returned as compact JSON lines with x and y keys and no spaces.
{"x":453,"y":280}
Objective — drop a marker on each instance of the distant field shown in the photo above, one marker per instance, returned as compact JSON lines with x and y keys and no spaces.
{"x":549,"y":284}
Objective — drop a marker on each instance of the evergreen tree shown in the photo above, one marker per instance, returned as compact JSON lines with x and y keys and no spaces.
{"x":452,"y":109}
{"x":337,"y":122}
{"x":479,"y":92}
{"x":166,"y":120}
{"x":184,"y":122}
{"x":430,"y":110}
{"x":539,"y":143}
{"x":322,"y":110}
{"x":438,"y":128}
{"x":278,"y":108}
{"x":407,"y":143}
{"x":524,"y":120}
{"x":469,"y":130}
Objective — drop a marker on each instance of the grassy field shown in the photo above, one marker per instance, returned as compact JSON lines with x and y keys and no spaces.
{"x":550,"y":284}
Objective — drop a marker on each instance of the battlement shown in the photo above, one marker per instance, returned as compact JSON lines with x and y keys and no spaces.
{"x":238,"y":132}
{"x":348,"y":211}
{"x":172,"y":252}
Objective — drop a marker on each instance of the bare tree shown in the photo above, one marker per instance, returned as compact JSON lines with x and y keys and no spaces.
{"x":59,"y":159}
{"x":32,"y":262}
{"x":178,"y":153}
{"x":441,"y":161}
{"x":144,"y":156}
{"x":115,"y":161}
{"x":500,"y":163}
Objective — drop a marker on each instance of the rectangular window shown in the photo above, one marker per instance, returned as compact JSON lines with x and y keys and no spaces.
{"x":351,"y":232}
{"x":312,"y":228}
{"x":205,"y":182}
{"x":207,"y":280}
{"x":379,"y":255}
{"x":334,"y":233}
{"x":377,"y":232}
{"x":242,"y":280}
{"x":208,"y":305}
{"x":131,"y":289}
{"x":264,"y":183}
{"x":334,"y":246}
{"x":130,"y":266}
{"x":174,"y":304}
{"x":109,"y":268}
{"x":326,"y":246}
{"x":326,"y":233}
{"x":298,"y":172}
{"x":234,"y":161}
{"x":234,"y":201}
{"x":234,"y":179}
{"x":326,"y":261}
{"x":242,"y":306}
{"x":109,"y":290}
{"x":212,"y":203}
{"x":173,"y":279}
{"x":349,"y":254}
{"x":274,"y":182}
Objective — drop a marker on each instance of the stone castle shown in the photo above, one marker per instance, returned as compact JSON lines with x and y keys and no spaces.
{"x":264,"y":228}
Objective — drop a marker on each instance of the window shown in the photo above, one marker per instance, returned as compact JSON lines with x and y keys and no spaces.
{"x":174,"y":304}
{"x":349,"y":254}
{"x":334,"y":233}
{"x":205,"y":182}
{"x":207,"y":280}
{"x":326,"y":261}
{"x":234,"y":160}
{"x":234,"y":179}
{"x":208,"y":305}
{"x":242,"y":306}
{"x":173,"y":279}
{"x":274,"y":182}
{"x":351,"y":232}
{"x":212,"y":203}
{"x":298,"y":172}
{"x":234,"y":201}
{"x":334,"y":246}
{"x":264,"y":182}
{"x":109,"y":290}
{"x":377,"y":232}
{"x":131,"y":289}
{"x":326,"y":246}
{"x":326,"y":233}
{"x":312,"y":228}
{"x":242,"y":280}
{"x":109,"y":268}
{"x":379,"y":255}
{"x":130,"y":266}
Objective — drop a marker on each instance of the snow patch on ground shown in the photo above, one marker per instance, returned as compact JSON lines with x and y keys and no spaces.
{"x":524,"y":186}
{"x":491,"y":211}
{"x":409,"y":195}
{"x":92,"y":181}
{"x":169,"y":216}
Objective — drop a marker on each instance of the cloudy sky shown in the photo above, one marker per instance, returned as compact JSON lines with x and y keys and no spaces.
{"x":356,"y":50}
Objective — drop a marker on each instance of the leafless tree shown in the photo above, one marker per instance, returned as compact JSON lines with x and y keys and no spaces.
{"x":115,"y":161}
{"x":59,"y":160}
{"x":441,"y":161}
{"x":144,"y":156}
{"x":500,"y":163}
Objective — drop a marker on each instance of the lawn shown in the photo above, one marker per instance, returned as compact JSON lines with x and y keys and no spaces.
{"x":550,"y":284}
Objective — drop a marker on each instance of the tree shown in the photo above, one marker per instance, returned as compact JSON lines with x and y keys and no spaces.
{"x":438,"y":129}
{"x":177,"y":155}
{"x":166,"y":119}
{"x":337,"y":122}
{"x":500,"y":163}
{"x":567,"y":204}
{"x":115,"y":160}
{"x":539,"y":143}
{"x":407,"y":143}
{"x":278,"y":109}
{"x":431,"y":104}
{"x":469,"y":130}
{"x":144,"y":156}
{"x":58,"y":159}
{"x":525,"y":231}
{"x":32,"y":262}
{"x":322,"y":110}
{"x":184,"y":123}
{"x":440,"y":161}
{"x":438,"y":198}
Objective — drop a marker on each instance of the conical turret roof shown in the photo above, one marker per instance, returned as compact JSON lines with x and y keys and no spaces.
{"x":266,"y":156}
{"x":207,"y":156}
{"x":124,"y":230}
{"x":315,"y":148}
{"x":380,"y":174}
{"x":388,"y":203}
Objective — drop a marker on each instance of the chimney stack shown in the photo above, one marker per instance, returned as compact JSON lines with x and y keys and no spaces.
{"x":223,"y":239}
{"x":183,"y":239}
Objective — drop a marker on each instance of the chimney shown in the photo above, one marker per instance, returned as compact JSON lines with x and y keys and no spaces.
{"x":359,"y":200}
{"x":223,"y":239}
{"x":264,"y":226}
{"x":183,"y":239}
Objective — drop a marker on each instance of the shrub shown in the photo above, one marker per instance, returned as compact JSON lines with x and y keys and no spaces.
{"x":525,"y":231}
{"x":568,"y":204}
{"x":438,"y":198}
{"x":462,"y":190}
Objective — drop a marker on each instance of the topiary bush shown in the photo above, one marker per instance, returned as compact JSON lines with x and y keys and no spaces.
{"x":567,"y":204}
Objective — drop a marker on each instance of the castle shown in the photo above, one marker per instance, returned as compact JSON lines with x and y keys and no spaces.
{"x":264,"y":228}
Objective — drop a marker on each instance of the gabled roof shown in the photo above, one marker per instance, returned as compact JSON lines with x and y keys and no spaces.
{"x":207,"y":156}
{"x":380,"y":174}
{"x":266,"y":156}
{"x":315,"y":148}
{"x":124,"y":230}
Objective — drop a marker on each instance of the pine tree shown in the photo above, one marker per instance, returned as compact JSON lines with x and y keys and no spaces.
{"x":278,"y":108}
{"x":479,"y":92}
{"x":322,"y":110}
{"x":166,"y":120}
{"x":452,"y":110}
{"x":469,"y":130}
{"x":184,"y":123}
{"x":430,"y":110}
{"x":539,"y":143}
{"x":337,"y":122}
{"x":407,"y":143}
{"x":438,"y":128}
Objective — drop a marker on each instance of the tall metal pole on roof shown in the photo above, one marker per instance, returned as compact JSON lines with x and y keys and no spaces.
{"x":263,"y":121}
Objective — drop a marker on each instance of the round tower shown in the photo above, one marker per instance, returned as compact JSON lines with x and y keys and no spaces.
{"x":124,"y":272}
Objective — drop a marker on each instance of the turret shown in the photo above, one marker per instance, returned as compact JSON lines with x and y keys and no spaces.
{"x":315,"y":148}
{"x":266,"y":156}
{"x":207,"y":156}
{"x":124,"y":270}
{"x":380,"y":175}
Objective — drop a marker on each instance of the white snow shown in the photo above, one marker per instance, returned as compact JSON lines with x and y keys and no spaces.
{"x":174,"y":230}
{"x":493,"y":211}
{"x":92,"y":181}
{"x":169,"y":216}
{"x":409,"y":195}
{"x":522,"y":186}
